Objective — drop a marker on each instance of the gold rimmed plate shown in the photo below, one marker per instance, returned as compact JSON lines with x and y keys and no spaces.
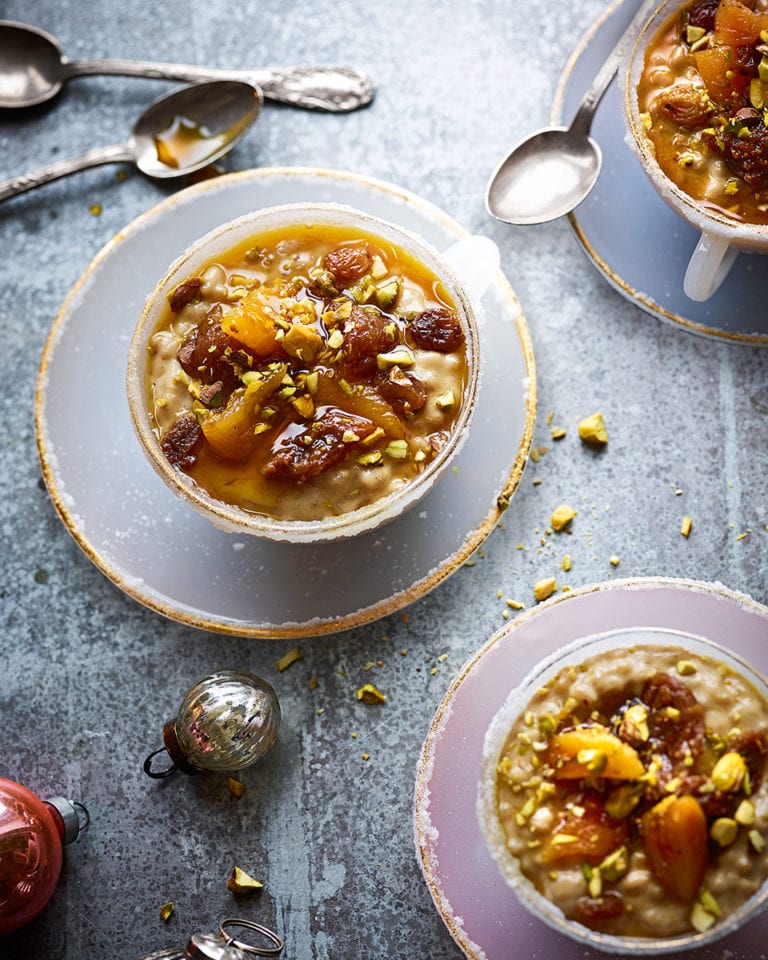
{"x":155,"y":547}
{"x":630,"y":234}
{"x":480,"y":911}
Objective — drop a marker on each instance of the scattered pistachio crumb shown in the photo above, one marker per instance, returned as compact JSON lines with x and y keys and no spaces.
{"x":236,"y":787}
{"x":592,"y":430}
{"x":403,"y":653}
{"x":544,"y":588}
{"x":313,"y":683}
{"x":614,"y":560}
{"x":370,"y":694}
{"x":557,"y":433}
{"x":241,"y":882}
{"x":354,"y":734}
{"x":320,"y":711}
{"x":515,"y":604}
{"x":291,"y":657}
{"x":166,"y":911}
{"x":95,"y":209}
{"x":366,"y":756}
{"x":566,"y":564}
{"x":685,"y":527}
{"x":562,"y":516}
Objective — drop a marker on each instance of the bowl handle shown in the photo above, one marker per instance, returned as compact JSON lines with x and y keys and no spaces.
{"x":476,"y":261}
{"x":708,"y":266}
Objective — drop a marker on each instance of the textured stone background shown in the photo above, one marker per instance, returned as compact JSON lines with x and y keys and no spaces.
{"x":87,"y":676}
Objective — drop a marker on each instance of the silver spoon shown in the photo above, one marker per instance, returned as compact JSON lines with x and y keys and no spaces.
{"x":176,"y":135}
{"x":551,"y":171}
{"x":33,"y":68}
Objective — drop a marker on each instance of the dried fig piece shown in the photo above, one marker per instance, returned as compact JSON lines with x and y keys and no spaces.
{"x":181,"y":442}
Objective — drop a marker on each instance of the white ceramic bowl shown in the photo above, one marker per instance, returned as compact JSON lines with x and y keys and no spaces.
{"x":722,"y":237}
{"x":465,"y":270}
{"x":487,"y":810}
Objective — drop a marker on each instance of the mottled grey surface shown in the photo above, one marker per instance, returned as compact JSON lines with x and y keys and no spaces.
{"x":87,"y":677}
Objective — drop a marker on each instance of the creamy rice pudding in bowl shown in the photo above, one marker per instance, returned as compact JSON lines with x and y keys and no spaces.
{"x":307,"y":372}
{"x":624,"y":791}
{"x":695,"y":87}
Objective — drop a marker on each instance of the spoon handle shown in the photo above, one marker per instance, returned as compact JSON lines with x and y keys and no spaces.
{"x":582,"y":121}
{"x":334,"y":89}
{"x":62,"y":168}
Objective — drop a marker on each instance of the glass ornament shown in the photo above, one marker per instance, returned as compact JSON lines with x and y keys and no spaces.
{"x":227,"y":721}
{"x":32,"y":834}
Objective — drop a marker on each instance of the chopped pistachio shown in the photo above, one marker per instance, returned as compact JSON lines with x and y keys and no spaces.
{"x":370,"y":458}
{"x":757,"y":840}
{"x":335,"y":339}
{"x":724,"y":831}
{"x":370,"y":694}
{"x":701,"y":919}
{"x":745,"y":813}
{"x":595,"y":885}
{"x":615,"y":865}
{"x":291,"y":657}
{"x":445,"y":401}
{"x":622,"y":800}
{"x":685,"y":668}
{"x":304,"y":342}
{"x":378,"y":268}
{"x":594,"y":760}
{"x":544,"y":588}
{"x":646,"y":120}
{"x":241,"y":882}
{"x":562,"y":516}
{"x":401,"y":357}
{"x":167,"y":910}
{"x":397,"y":449}
{"x":387,"y":293}
{"x":729,"y":772}
{"x":372,"y":437}
{"x":634,"y":723}
{"x":707,"y":900}
{"x":303,"y":405}
{"x":592,"y":430}
{"x":692,"y":34}
{"x":236,"y":787}
{"x":349,"y":436}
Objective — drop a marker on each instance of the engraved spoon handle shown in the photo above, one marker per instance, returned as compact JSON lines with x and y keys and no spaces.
{"x":117,"y":153}
{"x":334,"y":89}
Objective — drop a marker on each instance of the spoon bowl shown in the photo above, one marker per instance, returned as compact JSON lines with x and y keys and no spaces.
{"x":176,"y":135}
{"x":33,"y":68}
{"x":544,"y":177}
{"x":550,"y":172}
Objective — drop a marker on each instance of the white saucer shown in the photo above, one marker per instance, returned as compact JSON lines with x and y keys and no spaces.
{"x":156,"y":548}
{"x":480,"y":911}
{"x":637,"y":242}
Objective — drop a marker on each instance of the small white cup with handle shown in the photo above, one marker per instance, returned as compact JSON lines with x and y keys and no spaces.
{"x":722,"y":237}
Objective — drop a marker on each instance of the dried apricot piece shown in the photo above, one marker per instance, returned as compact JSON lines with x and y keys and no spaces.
{"x":592,"y":751}
{"x":675,"y":839}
